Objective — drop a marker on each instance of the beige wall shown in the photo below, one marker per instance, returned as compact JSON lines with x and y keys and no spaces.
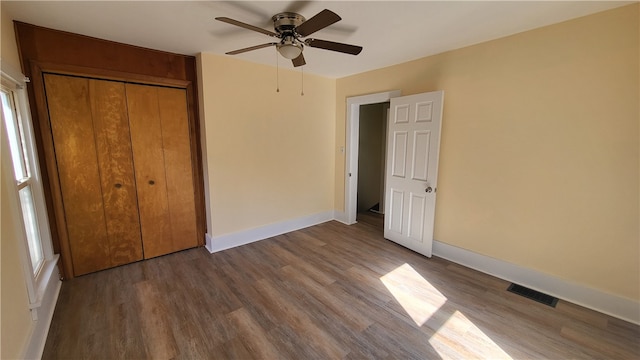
{"x":16,"y":324}
{"x":8,"y":41}
{"x":539,"y":152}
{"x":269,"y":155}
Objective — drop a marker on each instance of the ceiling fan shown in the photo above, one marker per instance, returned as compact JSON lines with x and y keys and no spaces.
{"x":290,"y":28}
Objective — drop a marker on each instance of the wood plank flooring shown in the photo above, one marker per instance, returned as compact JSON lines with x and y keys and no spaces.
{"x":326,"y":292}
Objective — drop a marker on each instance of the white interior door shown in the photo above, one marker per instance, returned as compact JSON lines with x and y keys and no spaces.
{"x":413,"y":143}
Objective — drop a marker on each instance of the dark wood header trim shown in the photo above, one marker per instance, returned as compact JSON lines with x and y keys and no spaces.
{"x":55,"y":46}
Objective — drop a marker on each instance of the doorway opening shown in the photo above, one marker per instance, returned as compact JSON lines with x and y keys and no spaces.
{"x":372,"y":141}
{"x":356,"y":105}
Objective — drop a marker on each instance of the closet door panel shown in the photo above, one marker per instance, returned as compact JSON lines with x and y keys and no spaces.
{"x":176,"y":144}
{"x":148,"y":158}
{"x":111,"y":127}
{"x":73,"y":136}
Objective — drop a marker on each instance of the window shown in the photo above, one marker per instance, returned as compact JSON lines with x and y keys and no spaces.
{"x":23,"y":176}
{"x":20,"y":172}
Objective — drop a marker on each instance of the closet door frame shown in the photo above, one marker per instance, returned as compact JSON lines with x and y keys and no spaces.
{"x":42,"y":123}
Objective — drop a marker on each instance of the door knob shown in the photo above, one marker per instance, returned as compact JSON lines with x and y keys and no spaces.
{"x":428,"y":189}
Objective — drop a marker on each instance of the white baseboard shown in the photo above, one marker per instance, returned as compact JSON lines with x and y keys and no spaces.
{"x":616,"y":306}
{"x":228,"y":241}
{"x":208,"y":242}
{"x":38,"y":338}
{"x":340,"y":216}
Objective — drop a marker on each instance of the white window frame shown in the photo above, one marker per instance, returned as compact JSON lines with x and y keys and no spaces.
{"x":37,"y":282}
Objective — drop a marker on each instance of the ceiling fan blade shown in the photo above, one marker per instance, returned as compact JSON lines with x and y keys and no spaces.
{"x":299,"y":61}
{"x":320,"y":21}
{"x":246,"y":26}
{"x":334,"y":46}
{"x":240,"y":51}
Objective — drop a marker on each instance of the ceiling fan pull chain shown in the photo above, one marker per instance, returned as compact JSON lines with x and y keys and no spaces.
{"x":277,"y":73}
{"x":302,"y":72}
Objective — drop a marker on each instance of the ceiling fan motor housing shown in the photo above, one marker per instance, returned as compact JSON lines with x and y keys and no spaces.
{"x":286,"y":22}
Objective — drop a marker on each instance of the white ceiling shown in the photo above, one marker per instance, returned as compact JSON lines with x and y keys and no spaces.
{"x":391,"y":32}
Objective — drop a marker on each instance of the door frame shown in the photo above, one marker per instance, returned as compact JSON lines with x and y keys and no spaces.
{"x":351,"y":156}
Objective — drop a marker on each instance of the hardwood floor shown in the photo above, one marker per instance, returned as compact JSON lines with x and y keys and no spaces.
{"x":326,"y":292}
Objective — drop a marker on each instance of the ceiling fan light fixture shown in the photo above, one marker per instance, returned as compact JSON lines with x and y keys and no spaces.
{"x":289,"y":49}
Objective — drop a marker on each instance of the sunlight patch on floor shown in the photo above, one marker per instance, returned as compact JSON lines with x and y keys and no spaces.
{"x":414,"y":293}
{"x":455,"y":336}
{"x":460,"y":337}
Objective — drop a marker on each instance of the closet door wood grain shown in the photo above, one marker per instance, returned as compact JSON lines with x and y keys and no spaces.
{"x":111,"y":128}
{"x":162,"y":157}
{"x":93,"y":154}
{"x":176,"y":145}
{"x":148,"y":158}
{"x":76,"y":156}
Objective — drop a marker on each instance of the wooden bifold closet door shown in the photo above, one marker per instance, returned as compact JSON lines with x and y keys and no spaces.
{"x":162,"y":157}
{"x":124,"y":164}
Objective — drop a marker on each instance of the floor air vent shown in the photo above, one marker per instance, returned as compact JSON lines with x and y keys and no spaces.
{"x":533,"y":295}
